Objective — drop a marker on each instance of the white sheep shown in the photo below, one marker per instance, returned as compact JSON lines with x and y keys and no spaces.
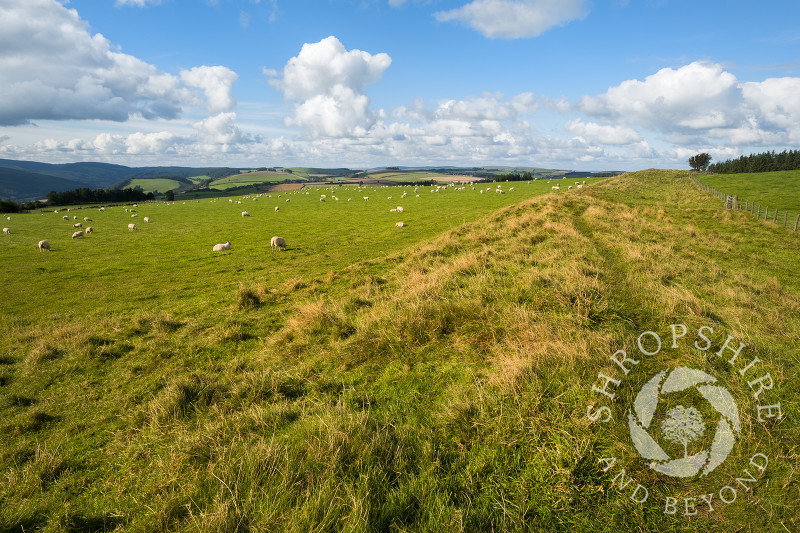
{"x":245,"y":214}
{"x":569,"y":188}
{"x":89,"y":230}
{"x":147,"y":219}
{"x":7,"y":231}
{"x":77,"y":234}
{"x":277,"y":208}
{"x":65,"y":217}
{"x":278,"y":242}
{"x":132,"y":227}
{"x":78,"y":225}
{"x":44,"y":245}
{"x":221,"y":247}
{"x":87,"y":219}
{"x":134,"y":216}
{"x":401,"y":224}
{"x":102,"y":209}
{"x":399,"y":209}
{"x":556,"y":188}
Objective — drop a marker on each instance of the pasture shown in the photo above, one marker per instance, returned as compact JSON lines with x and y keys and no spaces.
{"x":155,"y":184}
{"x":773,"y":189}
{"x":433,"y":377}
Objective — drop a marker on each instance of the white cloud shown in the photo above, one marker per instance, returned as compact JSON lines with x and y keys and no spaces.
{"x":513,"y":19}
{"x":139,"y":3}
{"x":601,"y":134}
{"x":52,"y":68}
{"x":220,"y":129}
{"x":702,"y":101}
{"x":330,"y":81}
{"x":216,"y":82}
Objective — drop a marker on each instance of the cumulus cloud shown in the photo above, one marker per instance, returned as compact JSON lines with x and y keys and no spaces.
{"x":138,"y":3}
{"x":220,"y":129}
{"x":514,"y":19}
{"x":52,"y":68}
{"x":216,"y":82}
{"x":330,"y":82}
{"x":703,"y":101}
{"x":602,"y":134}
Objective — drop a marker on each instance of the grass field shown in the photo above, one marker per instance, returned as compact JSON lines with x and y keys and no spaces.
{"x":434,"y":377}
{"x":774,"y":189}
{"x":155,"y":184}
{"x":251,"y":178}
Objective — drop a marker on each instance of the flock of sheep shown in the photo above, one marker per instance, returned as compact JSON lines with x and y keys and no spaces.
{"x":276,"y":242}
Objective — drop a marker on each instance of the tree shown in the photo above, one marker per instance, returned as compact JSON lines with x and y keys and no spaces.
{"x":683,"y":426}
{"x":700,"y":162}
{"x":170,"y":196}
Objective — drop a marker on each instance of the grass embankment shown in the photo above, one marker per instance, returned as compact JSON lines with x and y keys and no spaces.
{"x":441,"y":388}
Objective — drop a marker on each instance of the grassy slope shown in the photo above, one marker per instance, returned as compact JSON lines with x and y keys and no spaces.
{"x":765,"y":188}
{"x":441,"y":388}
{"x":155,"y":184}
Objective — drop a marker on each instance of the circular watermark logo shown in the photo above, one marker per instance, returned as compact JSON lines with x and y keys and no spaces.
{"x":680,"y":420}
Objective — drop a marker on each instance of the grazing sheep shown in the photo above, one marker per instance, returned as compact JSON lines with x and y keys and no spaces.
{"x":278,"y":242}
{"x":556,"y":188}
{"x":245,"y":214}
{"x":401,"y":224}
{"x":78,"y":225}
{"x":399,"y":209}
{"x":147,"y":219}
{"x":102,"y":209}
{"x":44,"y":245}
{"x":569,"y":188}
{"x":87,"y":219}
{"x":366,"y":198}
{"x":89,"y":230}
{"x":132,"y":227}
{"x":7,"y":231}
{"x":222,"y":247}
{"x":77,"y":234}
{"x":134,"y":216}
{"x":277,"y":208}
{"x":65,"y":217}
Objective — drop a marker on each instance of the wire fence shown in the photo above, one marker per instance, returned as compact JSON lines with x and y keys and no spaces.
{"x":760,"y":211}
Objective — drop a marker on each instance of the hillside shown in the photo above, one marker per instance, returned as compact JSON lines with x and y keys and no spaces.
{"x":438,"y":382}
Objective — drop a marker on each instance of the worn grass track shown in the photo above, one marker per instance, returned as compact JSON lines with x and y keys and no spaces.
{"x":444,"y":388}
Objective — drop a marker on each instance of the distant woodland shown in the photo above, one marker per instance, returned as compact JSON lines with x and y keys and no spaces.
{"x":765,"y":162}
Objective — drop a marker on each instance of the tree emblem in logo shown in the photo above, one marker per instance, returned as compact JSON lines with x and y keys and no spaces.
{"x":683,"y":425}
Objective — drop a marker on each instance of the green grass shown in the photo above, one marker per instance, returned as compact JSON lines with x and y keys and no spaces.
{"x":155,"y":184}
{"x":773,"y":189}
{"x":250,"y":178}
{"x":374,"y":378}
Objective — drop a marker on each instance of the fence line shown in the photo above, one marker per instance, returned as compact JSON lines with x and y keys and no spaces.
{"x":734,"y":202}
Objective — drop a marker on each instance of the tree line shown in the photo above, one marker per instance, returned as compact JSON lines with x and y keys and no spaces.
{"x":94,"y":196}
{"x":764,"y":162}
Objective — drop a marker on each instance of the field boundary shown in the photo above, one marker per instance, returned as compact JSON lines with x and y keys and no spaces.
{"x":732,"y":201}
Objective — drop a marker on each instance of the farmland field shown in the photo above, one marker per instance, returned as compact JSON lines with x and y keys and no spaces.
{"x":774,"y":189}
{"x":155,"y":184}
{"x":433,"y":377}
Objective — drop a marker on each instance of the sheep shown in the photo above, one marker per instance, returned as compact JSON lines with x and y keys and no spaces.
{"x":134,"y":216}
{"x":245,"y":214}
{"x":221,"y":247}
{"x":556,"y":188}
{"x":322,"y":199}
{"x":569,"y":188}
{"x":44,"y":245}
{"x":77,"y":234}
{"x":7,"y":231}
{"x":278,"y":242}
{"x":400,"y":224}
{"x":102,"y":209}
{"x":89,"y":230}
{"x":78,"y":225}
{"x":65,"y":217}
{"x":366,"y":198}
{"x":277,"y":208}
{"x":87,"y":219}
{"x":132,"y":227}
{"x":147,"y":219}
{"x":399,"y":209}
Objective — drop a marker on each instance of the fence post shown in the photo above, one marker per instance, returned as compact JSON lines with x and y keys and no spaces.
{"x":758,"y":216}
{"x":775,"y":217}
{"x":785,"y":213}
{"x":796,"y":220}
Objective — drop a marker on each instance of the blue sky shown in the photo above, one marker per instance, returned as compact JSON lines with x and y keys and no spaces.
{"x":574,"y":84}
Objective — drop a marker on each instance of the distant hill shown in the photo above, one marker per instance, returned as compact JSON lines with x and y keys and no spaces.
{"x":31,"y":180}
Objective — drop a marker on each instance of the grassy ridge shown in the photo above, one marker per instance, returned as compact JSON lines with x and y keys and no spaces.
{"x":442,"y":387}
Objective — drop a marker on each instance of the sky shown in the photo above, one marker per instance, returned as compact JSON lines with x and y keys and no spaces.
{"x":570,"y":84}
